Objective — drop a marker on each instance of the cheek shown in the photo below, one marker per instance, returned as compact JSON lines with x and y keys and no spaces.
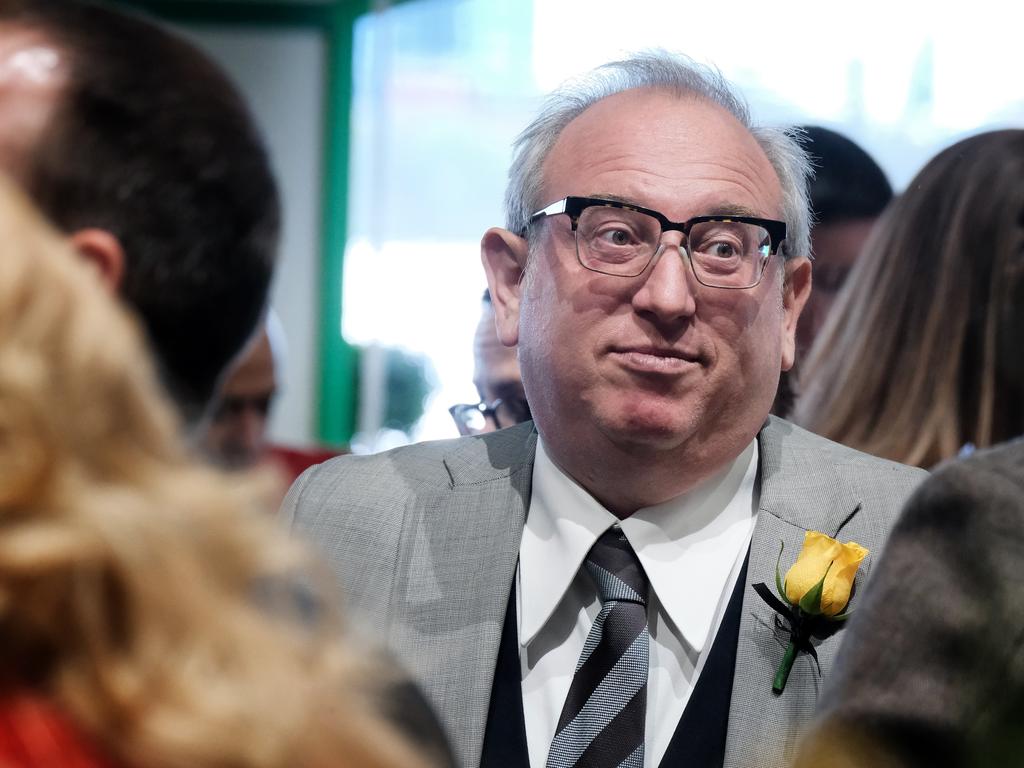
{"x":747,"y":334}
{"x":545,"y":334}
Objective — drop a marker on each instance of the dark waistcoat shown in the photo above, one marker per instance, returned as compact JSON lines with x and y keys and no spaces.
{"x":699,"y":739}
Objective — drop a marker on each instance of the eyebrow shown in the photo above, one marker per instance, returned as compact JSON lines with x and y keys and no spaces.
{"x":734,"y":210}
{"x":725,"y":209}
{"x":617,"y":198}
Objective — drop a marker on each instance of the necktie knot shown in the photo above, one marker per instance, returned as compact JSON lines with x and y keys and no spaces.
{"x":615,"y":569}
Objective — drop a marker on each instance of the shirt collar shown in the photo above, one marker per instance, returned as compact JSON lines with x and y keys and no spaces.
{"x":693,"y":539}
{"x":563,"y":523}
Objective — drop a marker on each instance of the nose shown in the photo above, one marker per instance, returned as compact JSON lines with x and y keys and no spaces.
{"x":668,"y":292}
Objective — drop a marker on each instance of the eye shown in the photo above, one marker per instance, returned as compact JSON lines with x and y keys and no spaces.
{"x":722,"y":249}
{"x":616,"y":236}
{"x":719,"y":245}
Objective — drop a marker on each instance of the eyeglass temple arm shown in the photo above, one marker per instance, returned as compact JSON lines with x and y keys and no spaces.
{"x":554,"y":209}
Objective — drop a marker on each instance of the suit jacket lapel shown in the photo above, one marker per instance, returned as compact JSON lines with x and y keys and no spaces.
{"x":459,"y":559}
{"x":799,"y":491}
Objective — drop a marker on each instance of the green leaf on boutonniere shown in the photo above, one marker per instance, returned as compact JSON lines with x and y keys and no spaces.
{"x":778,"y":577}
{"x":810,"y":603}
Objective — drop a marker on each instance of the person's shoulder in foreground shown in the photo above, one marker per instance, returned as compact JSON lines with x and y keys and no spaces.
{"x":931,"y":670}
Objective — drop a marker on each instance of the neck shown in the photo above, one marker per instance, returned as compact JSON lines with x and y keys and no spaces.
{"x":626,"y":478}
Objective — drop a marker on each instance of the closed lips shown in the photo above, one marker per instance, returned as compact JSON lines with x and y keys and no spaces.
{"x":656,"y":360}
{"x":691,"y":357}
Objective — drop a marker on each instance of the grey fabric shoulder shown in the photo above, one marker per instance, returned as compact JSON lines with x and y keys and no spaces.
{"x":354,"y":509}
{"x":384,"y":478}
{"x":806,"y":474}
{"x":804,"y":446}
{"x":807,"y":483}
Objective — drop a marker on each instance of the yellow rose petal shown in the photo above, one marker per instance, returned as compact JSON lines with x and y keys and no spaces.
{"x":817,"y":553}
{"x":839,"y":582}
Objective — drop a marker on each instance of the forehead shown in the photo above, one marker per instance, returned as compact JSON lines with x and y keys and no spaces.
{"x":255,"y":373}
{"x":681,"y":155}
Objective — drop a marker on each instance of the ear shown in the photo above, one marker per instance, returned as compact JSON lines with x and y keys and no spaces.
{"x":795,"y":291}
{"x":504,"y":258}
{"x":103,"y":251}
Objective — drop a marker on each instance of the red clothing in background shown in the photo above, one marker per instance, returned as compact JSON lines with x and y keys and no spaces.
{"x":34,"y":733}
{"x":295,"y":461}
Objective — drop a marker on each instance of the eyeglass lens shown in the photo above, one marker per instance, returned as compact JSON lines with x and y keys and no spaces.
{"x":510,"y":411}
{"x":476,"y":418}
{"x":618,"y":241}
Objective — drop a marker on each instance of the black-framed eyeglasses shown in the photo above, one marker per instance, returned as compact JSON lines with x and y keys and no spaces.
{"x":622,"y":239}
{"x":474,"y":418}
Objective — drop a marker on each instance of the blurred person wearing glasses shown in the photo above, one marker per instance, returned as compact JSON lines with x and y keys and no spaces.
{"x":576,"y":591}
{"x":497,"y":380}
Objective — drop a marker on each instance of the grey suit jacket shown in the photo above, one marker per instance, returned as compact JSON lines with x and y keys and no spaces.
{"x":425,"y":539}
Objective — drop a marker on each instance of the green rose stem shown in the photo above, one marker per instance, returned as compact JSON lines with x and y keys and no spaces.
{"x":808,"y":607}
{"x":782,"y":675}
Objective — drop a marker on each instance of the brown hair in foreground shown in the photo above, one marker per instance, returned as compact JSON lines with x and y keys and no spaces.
{"x":142,"y":593}
{"x":920,"y":354}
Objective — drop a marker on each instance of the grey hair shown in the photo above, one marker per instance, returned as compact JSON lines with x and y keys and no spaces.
{"x":681,"y":76}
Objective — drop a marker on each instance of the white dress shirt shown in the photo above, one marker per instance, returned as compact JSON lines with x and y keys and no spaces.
{"x":691,"y":547}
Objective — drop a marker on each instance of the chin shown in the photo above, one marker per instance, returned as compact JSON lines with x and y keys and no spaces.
{"x":644,"y":425}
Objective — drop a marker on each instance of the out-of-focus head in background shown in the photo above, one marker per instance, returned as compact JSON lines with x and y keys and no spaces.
{"x":139,"y":149}
{"x":497,"y":380}
{"x":920,"y":357}
{"x":848,"y":193}
{"x":236,"y":436}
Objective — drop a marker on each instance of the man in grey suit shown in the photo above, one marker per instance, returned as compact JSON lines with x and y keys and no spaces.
{"x":575,"y":591}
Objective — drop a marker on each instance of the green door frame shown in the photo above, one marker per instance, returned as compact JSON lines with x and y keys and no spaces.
{"x":335,"y":20}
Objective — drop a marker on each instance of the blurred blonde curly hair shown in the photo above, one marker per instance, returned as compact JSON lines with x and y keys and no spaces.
{"x":146,"y":595}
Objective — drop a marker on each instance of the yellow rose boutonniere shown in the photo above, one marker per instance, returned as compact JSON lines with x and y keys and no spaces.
{"x":817,"y":588}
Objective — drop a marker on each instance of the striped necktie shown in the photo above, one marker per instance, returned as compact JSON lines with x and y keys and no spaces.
{"x":602,"y":722}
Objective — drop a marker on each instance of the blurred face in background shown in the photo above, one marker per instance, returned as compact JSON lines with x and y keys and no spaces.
{"x":498,"y":383}
{"x":496,"y":373}
{"x":237,"y":433}
{"x":836,"y":247}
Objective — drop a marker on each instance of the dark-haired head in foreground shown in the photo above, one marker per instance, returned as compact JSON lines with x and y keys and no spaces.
{"x":142,"y":152}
